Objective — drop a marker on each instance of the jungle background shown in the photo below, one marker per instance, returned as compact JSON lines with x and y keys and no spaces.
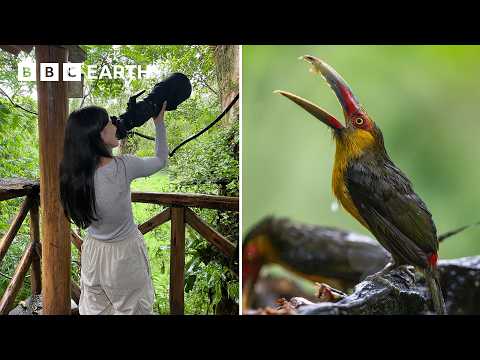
{"x":424,"y":99}
{"x":209,"y":164}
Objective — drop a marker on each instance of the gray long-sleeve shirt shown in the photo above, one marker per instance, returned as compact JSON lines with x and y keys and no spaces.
{"x":112,"y":189}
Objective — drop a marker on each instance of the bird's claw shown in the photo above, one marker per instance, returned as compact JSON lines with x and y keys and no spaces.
{"x":326,"y":293}
{"x":381,"y":273}
{"x":410,"y":270}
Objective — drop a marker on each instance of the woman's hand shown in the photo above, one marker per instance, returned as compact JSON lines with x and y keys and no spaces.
{"x":160,"y":115}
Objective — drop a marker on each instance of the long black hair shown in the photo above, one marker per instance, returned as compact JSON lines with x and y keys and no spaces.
{"x":82,"y":150}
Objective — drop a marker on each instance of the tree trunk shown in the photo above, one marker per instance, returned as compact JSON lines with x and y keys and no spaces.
{"x":227,"y":67}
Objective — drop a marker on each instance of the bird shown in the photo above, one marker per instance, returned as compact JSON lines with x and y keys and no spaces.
{"x":316,"y":253}
{"x":372,"y":189}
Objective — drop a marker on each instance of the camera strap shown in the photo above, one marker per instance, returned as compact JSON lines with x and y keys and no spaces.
{"x":227,"y":109}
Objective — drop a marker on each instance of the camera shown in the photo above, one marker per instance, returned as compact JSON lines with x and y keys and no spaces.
{"x":175,"y":89}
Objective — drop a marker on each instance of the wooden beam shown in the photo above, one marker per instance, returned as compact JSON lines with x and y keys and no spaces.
{"x":11,"y":188}
{"x":15,"y":285}
{"x":56,"y":256}
{"x":155,"y":221}
{"x":75,"y":89}
{"x":76,"y":240}
{"x":14,"y":227}
{"x":209,"y":233}
{"x":12,"y":49}
{"x":25,"y":48}
{"x":188,"y":200}
{"x":75,"y":53}
{"x":177,"y":262}
{"x":35,"y":270}
{"x":15,"y":49}
{"x":75,"y":291}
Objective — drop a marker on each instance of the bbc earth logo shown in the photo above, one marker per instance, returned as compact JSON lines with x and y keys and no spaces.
{"x":73,"y":72}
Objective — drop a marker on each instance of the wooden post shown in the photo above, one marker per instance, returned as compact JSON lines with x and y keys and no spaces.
{"x":52,"y":110}
{"x":35,"y":270}
{"x":177,"y":261}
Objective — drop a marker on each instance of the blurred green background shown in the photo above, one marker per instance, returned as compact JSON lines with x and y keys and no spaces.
{"x":425,"y":99}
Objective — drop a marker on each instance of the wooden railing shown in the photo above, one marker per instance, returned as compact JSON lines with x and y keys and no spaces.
{"x":32,"y":254}
{"x":178,"y":212}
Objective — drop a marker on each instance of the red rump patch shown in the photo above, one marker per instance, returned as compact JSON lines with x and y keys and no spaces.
{"x":432,"y":259}
{"x":251,"y":263}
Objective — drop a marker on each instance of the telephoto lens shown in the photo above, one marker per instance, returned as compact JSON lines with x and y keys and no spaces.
{"x":175,"y":89}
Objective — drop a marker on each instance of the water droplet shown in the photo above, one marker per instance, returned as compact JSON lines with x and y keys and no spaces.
{"x":334,"y":206}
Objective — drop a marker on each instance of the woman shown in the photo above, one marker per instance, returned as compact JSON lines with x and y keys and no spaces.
{"x":95,"y":194}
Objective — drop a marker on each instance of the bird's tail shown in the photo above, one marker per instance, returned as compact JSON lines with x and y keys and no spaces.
{"x":456,"y":231}
{"x":433,"y":282}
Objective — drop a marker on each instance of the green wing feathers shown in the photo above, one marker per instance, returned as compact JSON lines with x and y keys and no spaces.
{"x":396,"y":215}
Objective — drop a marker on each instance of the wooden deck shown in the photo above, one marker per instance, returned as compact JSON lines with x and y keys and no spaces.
{"x":177,"y":211}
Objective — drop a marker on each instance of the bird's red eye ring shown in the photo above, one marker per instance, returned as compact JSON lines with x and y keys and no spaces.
{"x":359,"y":121}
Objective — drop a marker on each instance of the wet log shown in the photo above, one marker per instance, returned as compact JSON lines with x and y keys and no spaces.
{"x":402,"y":292}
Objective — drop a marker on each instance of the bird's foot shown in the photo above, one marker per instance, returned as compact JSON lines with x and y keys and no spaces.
{"x":388,"y":281}
{"x":381,"y":273}
{"x":410,"y":270}
{"x":380,"y":278}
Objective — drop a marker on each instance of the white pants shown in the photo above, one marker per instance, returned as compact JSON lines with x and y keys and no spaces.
{"x":116,"y":277}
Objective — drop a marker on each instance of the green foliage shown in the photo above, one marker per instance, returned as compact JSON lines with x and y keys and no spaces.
{"x":207,"y":290}
{"x":18,"y":140}
{"x":19,"y":157}
{"x":8,"y":74}
{"x":202,"y":165}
